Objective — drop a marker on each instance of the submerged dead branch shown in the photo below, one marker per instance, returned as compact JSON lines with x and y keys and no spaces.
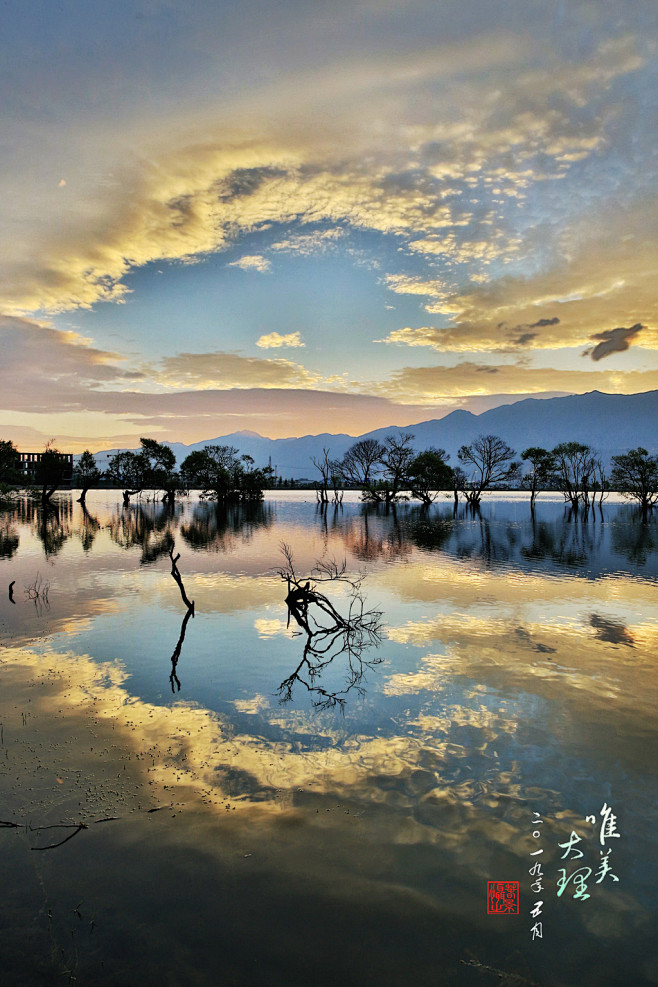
{"x":329,"y":632}
{"x":76,"y":827}
{"x":177,"y":576}
{"x":38,"y":593}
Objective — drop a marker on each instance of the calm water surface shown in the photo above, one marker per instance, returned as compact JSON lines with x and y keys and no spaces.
{"x":337,"y":827}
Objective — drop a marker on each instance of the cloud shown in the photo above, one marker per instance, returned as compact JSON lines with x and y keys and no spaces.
{"x":613,"y":341}
{"x":598,"y":281}
{"x":469,"y":379}
{"x":310,"y":243}
{"x":611,"y":631}
{"x":274,"y":340}
{"x":231,"y":370}
{"x":278,"y":412}
{"x":252,"y":262}
{"x":44,"y":368}
{"x":509,"y":339}
{"x":437,"y":145}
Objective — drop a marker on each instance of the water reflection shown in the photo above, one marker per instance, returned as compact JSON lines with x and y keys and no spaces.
{"x":328,"y":632}
{"x":8,"y":538}
{"x":634,"y":541}
{"x":89,"y":528}
{"x":173,"y":678}
{"x":218,"y":527}
{"x":518,"y":674}
{"x":148,"y":527}
{"x":376,"y":532}
{"x":566,"y":545}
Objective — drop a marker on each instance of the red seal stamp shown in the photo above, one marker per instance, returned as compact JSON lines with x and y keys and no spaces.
{"x":502,"y":898}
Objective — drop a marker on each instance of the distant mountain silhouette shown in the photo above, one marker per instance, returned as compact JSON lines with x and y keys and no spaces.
{"x":610,"y":423}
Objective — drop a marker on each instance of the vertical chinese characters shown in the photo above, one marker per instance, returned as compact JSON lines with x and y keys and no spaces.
{"x":537,"y":885}
{"x":578,"y":879}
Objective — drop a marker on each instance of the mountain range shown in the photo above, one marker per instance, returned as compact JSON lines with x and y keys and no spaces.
{"x":610,"y":423}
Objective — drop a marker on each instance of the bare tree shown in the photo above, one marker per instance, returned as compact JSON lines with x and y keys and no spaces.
{"x":601,"y":482}
{"x":396,"y":460}
{"x":491,"y":462}
{"x":458,"y":483}
{"x":360,"y":461}
{"x":330,"y":473}
{"x":574,"y":465}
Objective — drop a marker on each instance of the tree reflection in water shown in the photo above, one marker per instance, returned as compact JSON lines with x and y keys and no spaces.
{"x":8,"y":539}
{"x":376,"y":533}
{"x":89,"y":528}
{"x":173,"y":678}
{"x":54,"y":526}
{"x":328,"y":632}
{"x":148,"y":527}
{"x":216,"y":527}
{"x":176,"y":576}
{"x":635,"y":541}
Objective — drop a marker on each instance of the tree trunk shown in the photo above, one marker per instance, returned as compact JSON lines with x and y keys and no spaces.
{"x":46,"y":494}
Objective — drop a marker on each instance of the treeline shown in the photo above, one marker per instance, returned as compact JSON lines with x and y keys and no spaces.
{"x":218,"y":471}
{"x":386,"y":471}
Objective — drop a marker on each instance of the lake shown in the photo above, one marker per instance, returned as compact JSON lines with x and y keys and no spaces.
{"x":232,"y":799}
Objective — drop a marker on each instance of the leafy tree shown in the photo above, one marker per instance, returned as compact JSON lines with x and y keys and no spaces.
{"x":50,"y":472}
{"x":219,"y":473}
{"x":10,"y":463}
{"x":636,"y":474}
{"x":159,"y":462}
{"x":542,"y":463}
{"x":575,"y":465}
{"x":86,"y":474}
{"x":253,"y":479}
{"x":491,"y":461}
{"x":428,"y":474}
{"x":127,"y":470}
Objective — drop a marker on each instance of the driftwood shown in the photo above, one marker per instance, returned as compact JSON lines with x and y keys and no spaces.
{"x":328,"y":632}
{"x":76,"y":827}
{"x":177,"y":576}
{"x":173,"y":678}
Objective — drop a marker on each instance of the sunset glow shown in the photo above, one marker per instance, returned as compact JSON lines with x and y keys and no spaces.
{"x":297,"y":218}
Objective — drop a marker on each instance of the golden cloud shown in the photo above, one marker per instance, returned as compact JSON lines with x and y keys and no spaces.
{"x":418,"y":384}
{"x":274,"y":340}
{"x":202,"y":371}
{"x":389,"y":157}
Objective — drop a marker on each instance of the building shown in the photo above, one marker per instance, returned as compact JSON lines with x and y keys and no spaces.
{"x":29,"y":464}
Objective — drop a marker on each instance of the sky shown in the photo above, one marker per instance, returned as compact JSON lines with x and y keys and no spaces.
{"x":291,"y":217}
